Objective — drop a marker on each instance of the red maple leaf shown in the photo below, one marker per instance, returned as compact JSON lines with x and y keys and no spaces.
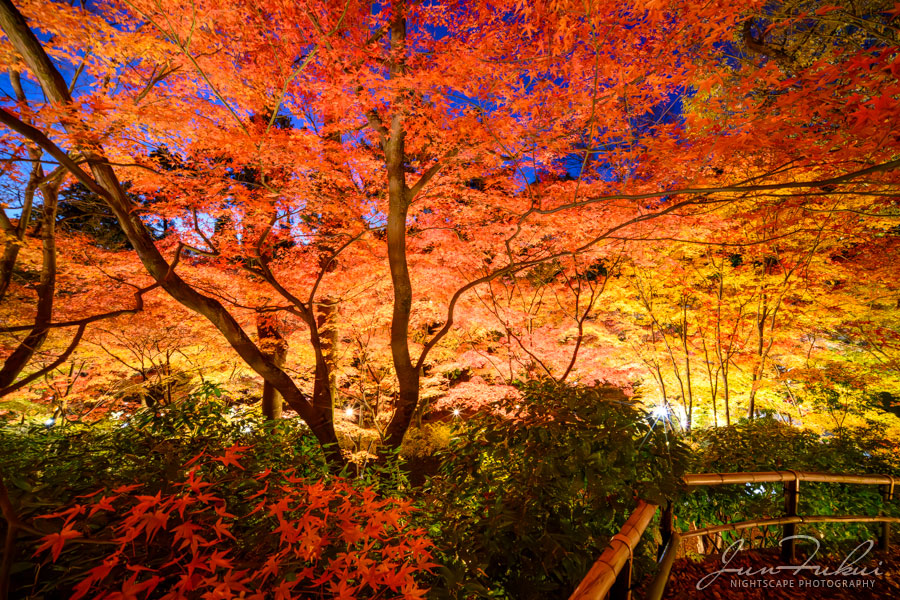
{"x":55,"y":541}
{"x":232,"y":455}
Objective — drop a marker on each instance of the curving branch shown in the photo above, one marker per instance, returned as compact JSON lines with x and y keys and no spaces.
{"x":106,"y":184}
{"x":9,"y":387}
{"x":94,"y":318}
{"x":49,"y":368}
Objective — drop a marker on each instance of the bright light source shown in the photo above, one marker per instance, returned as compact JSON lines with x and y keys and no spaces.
{"x":660,"y":412}
{"x":348,"y":412}
{"x":456,"y":412}
{"x":50,"y":422}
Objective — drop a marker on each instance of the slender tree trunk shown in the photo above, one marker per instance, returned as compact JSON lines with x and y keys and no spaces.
{"x":398,"y":207}
{"x":10,"y":254}
{"x":326,"y":320}
{"x":168,"y":378}
{"x":756,"y":376}
{"x":687,"y":365}
{"x":723,"y":355}
{"x":46,"y":290}
{"x":275,"y":348}
{"x":17,"y":234}
{"x":713,"y":383}
{"x":727,"y":396}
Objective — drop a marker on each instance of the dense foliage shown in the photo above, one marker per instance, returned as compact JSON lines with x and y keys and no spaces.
{"x":513,"y":502}
{"x":202,"y":468}
{"x":529,"y":494}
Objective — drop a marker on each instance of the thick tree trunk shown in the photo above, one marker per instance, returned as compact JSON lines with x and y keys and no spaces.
{"x":407,"y":374}
{"x":106,"y":184}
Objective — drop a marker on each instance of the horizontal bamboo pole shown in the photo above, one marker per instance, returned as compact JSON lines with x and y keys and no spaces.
{"x":603,"y":573}
{"x":597,"y":583}
{"x":788,"y":520}
{"x":697,"y":479}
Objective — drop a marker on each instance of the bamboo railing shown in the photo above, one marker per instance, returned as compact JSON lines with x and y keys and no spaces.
{"x":609,"y":578}
{"x":602,"y":576}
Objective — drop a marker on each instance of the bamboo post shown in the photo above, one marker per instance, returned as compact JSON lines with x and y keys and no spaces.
{"x":658,"y":585}
{"x":666,"y":529}
{"x":605,"y":573}
{"x":884,"y":541}
{"x":621,"y":587}
{"x":617,"y":555}
{"x":791,"y":502}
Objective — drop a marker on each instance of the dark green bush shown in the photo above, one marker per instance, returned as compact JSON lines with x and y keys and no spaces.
{"x":46,"y":468}
{"x":527,"y":499}
{"x":149,"y":447}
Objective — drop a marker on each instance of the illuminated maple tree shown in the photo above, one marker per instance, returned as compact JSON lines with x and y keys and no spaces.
{"x":404,"y":162}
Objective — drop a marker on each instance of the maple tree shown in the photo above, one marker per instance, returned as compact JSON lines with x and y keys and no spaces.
{"x":425,"y":158}
{"x":308,"y":538}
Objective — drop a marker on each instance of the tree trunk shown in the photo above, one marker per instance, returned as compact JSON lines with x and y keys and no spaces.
{"x":46,"y":290}
{"x":328,"y":336}
{"x":398,"y":207}
{"x":11,"y":252}
{"x":687,"y":365}
{"x":756,"y":376}
{"x":275,"y":348}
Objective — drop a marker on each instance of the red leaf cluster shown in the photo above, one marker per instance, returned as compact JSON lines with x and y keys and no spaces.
{"x":302,"y":538}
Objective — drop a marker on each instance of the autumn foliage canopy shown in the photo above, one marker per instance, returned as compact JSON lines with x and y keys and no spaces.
{"x":368,"y":205}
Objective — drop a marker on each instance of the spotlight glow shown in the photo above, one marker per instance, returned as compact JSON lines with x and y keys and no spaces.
{"x":50,"y":422}
{"x":660,"y":412}
{"x":348,"y":412}
{"x":456,"y":412}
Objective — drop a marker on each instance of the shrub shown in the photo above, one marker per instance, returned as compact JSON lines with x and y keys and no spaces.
{"x":48,"y":467}
{"x":52,"y":465}
{"x":528,"y":497}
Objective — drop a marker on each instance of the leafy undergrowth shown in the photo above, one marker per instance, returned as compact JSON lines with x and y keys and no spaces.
{"x":302,"y":538}
{"x":883,"y":584}
{"x":526,"y":500}
{"x":765,"y":444}
{"x":203,"y":500}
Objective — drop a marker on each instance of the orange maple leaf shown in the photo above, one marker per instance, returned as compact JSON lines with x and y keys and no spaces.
{"x":55,"y":541}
